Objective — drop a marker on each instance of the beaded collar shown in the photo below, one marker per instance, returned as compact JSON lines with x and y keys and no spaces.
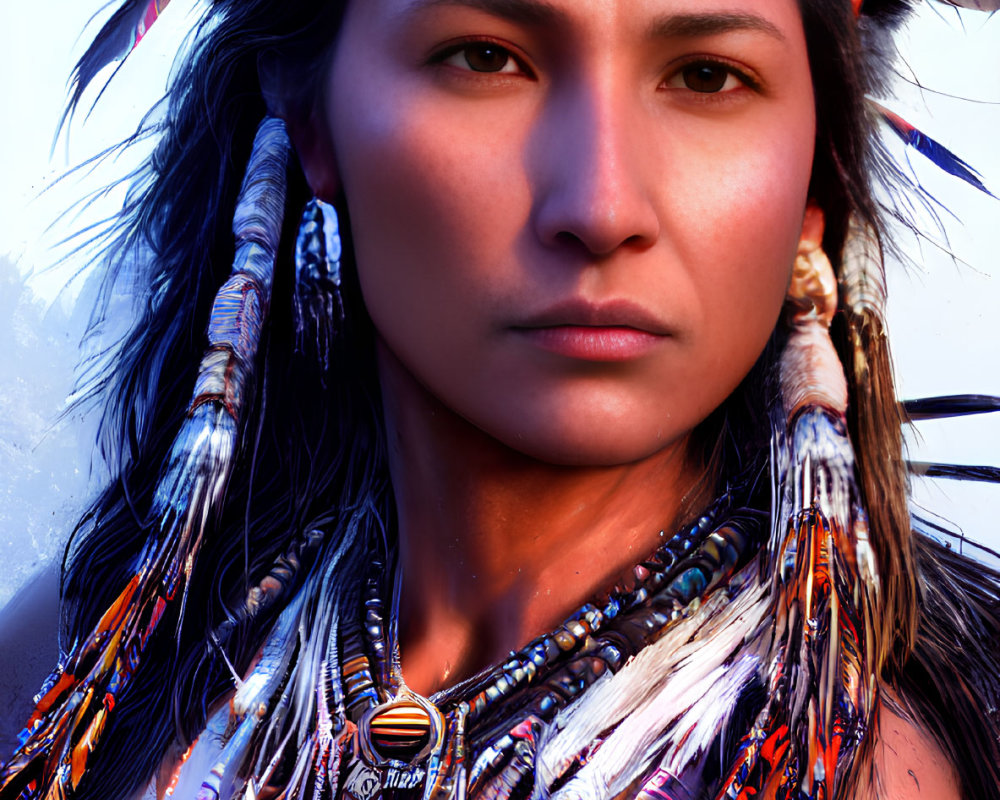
{"x":482,"y":733}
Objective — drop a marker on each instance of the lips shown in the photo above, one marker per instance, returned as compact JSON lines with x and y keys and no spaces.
{"x":613,"y":331}
{"x":609,"y":314}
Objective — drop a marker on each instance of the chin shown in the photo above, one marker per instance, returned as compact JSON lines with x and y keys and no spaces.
{"x":591,"y":455}
{"x":598,"y":443}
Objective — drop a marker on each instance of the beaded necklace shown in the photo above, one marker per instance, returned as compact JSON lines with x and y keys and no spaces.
{"x":630,"y":696}
{"x":482,"y":733}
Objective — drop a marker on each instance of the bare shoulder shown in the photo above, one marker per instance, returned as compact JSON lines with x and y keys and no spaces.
{"x":909,"y":763}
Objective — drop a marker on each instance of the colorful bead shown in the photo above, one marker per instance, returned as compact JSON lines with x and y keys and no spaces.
{"x":400,"y":732}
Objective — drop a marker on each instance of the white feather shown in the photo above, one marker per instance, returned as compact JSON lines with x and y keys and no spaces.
{"x":710,"y":654}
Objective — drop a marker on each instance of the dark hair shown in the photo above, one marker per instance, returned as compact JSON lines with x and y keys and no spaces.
{"x":841,"y":182}
{"x":313,"y":453}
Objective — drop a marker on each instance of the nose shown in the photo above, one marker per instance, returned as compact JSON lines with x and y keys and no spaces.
{"x":592,"y":183}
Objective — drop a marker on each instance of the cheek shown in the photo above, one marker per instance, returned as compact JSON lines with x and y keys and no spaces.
{"x":430,"y":233}
{"x":752,"y":201}
{"x":736,"y":233}
{"x":742,"y":226}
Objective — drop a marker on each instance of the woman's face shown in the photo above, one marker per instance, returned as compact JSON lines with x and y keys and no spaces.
{"x":574,"y":220}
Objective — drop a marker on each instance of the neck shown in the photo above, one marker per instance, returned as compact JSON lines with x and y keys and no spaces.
{"x":496,"y":547}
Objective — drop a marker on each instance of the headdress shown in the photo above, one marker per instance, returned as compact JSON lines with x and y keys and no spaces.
{"x":324,"y":705}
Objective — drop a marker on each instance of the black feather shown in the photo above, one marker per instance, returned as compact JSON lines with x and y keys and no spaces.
{"x":956,"y":405}
{"x":958,"y":472}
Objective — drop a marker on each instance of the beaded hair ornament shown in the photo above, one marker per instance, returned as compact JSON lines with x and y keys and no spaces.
{"x":631,"y":693}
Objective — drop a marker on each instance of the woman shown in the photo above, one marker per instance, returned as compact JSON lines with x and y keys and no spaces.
{"x":568,"y":327}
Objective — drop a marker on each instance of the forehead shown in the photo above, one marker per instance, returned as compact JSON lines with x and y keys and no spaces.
{"x":653,"y":17}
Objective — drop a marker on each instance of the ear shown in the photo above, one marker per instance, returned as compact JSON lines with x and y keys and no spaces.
{"x":314,"y":144}
{"x":308,"y":128}
{"x":813,"y":224}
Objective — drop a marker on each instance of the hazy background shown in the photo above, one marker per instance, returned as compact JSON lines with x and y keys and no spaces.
{"x":943,"y":315}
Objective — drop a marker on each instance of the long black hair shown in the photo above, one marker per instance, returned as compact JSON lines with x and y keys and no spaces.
{"x":313,"y":450}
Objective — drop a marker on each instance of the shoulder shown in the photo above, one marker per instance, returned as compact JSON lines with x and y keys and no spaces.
{"x":908,"y":763}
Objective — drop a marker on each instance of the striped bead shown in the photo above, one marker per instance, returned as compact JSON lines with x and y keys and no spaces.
{"x":400,"y":731}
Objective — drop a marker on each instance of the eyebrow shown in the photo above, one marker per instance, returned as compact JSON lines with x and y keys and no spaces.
{"x":694,"y":25}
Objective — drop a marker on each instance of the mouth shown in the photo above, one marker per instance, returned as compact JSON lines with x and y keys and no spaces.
{"x":612,"y":331}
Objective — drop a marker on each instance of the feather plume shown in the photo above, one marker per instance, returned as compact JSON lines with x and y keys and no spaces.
{"x":956,"y":405}
{"x":74,"y":705}
{"x":931,"y":149}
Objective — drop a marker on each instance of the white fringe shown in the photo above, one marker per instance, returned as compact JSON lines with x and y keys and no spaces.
{"x":686,"y":681}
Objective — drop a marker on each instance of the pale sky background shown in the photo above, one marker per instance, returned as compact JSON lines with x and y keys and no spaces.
{"x":943,"y":310}
{"x":942,"y":318}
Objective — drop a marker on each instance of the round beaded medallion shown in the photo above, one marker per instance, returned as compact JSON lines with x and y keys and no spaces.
{"x":404,"y":730}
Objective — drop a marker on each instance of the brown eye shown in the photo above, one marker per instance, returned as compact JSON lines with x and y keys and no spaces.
{"x":486,"y":57}
{"x":706,"y":78}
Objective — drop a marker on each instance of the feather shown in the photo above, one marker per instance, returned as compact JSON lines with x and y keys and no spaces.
{"x":935,"y":151}
{"x":955,"y":405}
{"x":119,"y":36}
{"x":308,"y":724}
{"x":647,"y":697}
{"x":958,"y":472}
{"x":821,"y":672}
{"x":821,"y":661}
{"x":220,"y":752}
{"x":80,"y":695}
